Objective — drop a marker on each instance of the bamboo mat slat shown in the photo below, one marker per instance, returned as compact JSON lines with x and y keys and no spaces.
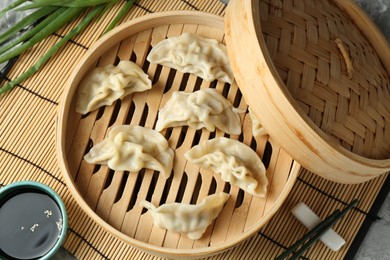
{"x":28,"y":145}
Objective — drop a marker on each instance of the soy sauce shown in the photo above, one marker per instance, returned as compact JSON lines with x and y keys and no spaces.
{"x":30,"y":224}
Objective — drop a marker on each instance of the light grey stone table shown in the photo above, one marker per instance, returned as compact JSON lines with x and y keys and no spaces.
{"x":376,"y":244}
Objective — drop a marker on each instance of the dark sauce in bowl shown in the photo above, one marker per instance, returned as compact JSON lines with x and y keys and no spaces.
{"x":30,"y":224}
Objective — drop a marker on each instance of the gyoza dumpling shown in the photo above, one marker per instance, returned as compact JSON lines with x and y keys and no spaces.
{"x":203,"y":108}
{"x":237,"y":163}
{"x":103,"y":85}
{"x":186,"y":219}
{"x":131,"y":148}
{"x":190,"y":53}
{"x":257,"y":128}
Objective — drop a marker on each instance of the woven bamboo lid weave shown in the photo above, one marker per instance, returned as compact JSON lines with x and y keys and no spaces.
{"x":316,"y":74}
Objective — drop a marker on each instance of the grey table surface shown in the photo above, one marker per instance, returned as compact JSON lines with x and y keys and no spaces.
{"x":376,"y":244}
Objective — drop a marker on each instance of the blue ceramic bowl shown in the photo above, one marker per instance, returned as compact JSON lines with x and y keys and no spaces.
{"x":23,"y":186}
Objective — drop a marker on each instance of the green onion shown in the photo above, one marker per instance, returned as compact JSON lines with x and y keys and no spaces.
{"x":30,"y":33}
{"x":26,"y":21}
{"x":64,"y":3}
{"x":65,"y":15}
{"x":108,"y":6}
{"x":120,"y":15}
{"x":11,"y":6}
{"x":64,"y":12}
{"x":53,"y":50}
{"x":7,"y":68}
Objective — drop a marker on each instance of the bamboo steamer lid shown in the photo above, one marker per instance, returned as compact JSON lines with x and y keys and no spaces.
{"x":316,"y":75}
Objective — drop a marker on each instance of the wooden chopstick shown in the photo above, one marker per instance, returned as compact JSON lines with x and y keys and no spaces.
{"x":315,"y":233}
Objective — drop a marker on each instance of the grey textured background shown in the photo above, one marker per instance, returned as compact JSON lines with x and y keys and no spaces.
{"x":376,"y":245}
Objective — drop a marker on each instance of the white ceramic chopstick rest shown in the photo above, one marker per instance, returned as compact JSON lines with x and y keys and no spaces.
{"x":309,"y":219}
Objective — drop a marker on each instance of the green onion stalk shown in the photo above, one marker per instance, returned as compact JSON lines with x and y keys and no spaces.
{"x":49,"y":16}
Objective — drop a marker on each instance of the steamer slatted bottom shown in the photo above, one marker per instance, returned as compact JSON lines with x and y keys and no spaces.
{"x":112,"y":197}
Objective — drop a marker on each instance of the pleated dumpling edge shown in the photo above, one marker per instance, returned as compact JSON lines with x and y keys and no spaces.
{"x":131,"y":148}
{"x":190,"y":53}
{"x":187,"y":219}
{"x":237,"y":163}
{"x":102,"y":86}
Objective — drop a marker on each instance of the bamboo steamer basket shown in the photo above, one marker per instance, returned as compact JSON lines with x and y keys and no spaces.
{"x":316,"y":75}
{"x":112,"y":198}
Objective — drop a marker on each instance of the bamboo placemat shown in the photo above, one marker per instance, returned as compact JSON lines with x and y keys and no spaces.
{"x":28,"y":152}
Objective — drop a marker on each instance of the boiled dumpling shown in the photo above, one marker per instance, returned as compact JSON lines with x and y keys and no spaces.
{"x":237,"y":163}
{"x":186,"y":219}
{"x":257,"y":128}
{"x":203,"y":108}
{"x":190,"y":53}
{"x":131,"y":148}
{"x":103,"y":85}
